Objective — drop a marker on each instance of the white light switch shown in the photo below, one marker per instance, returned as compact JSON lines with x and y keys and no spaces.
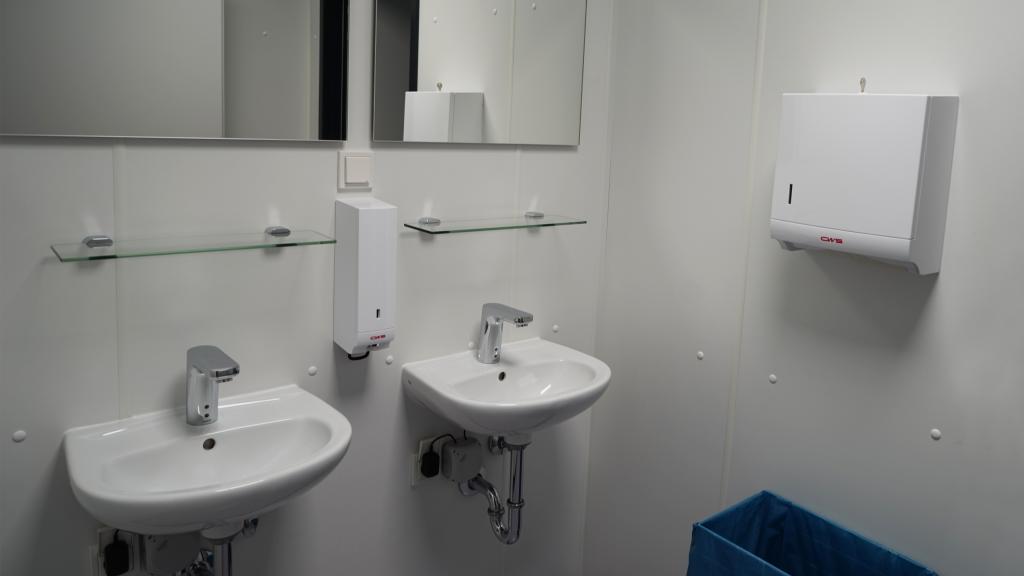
{"x":357,"y":172}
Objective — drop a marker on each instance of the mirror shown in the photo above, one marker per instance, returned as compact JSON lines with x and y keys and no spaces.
{"x":252,"y":69}
{"x":479,"y":71}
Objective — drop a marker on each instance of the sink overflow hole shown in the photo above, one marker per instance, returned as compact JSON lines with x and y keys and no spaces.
{"x":209,"y":443}
{"x":501,"y":377}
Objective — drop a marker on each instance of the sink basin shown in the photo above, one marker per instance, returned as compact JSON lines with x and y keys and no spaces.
{"x":535,"y":385}
{"x":155,"y":474}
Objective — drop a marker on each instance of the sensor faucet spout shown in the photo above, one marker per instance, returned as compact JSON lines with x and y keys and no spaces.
{"x":207,"y":367}
{"x":492,"y":320}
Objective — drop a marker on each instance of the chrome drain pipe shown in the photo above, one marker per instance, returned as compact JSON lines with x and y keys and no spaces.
{"x":217,"y":560}
{"x":222,"y":561}
{"x":505,"y":529}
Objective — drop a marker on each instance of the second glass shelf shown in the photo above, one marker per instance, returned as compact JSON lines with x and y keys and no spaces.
{"x":483,"y":224}
{"x":79,"y":252}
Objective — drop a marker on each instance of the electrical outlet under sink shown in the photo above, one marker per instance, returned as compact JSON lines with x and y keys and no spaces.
{"x":416,"y":477}
{"x":105,"y":537}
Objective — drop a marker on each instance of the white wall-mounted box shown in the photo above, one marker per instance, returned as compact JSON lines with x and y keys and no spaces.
{"x":364,"y":274}
{"x":444,"y":117}
{"x":866,"y":174}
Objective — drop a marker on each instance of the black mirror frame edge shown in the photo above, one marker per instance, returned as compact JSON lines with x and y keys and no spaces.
{"x":334,"y":20}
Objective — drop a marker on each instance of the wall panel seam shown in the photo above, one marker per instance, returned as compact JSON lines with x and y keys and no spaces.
{"x":755,"y":118}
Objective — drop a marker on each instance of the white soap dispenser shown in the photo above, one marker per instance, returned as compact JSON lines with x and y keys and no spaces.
{"x":364,"y":274}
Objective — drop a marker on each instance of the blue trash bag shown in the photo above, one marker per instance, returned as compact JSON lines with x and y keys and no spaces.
{"x":769,"y":536}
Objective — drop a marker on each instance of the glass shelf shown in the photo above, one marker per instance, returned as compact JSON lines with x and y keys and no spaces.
{"x":79,"y":252}
{"x":437,"y":226}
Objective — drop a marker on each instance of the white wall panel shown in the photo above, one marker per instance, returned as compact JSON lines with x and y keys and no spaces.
{"x":682,"y":88}
{"x":870,"y":358}
{"x":558,"y":271}
{"x":266,"y":309}
{"x":58,"y":345}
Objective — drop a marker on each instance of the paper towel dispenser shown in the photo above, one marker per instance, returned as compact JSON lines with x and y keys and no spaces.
{"x":866,"y":174}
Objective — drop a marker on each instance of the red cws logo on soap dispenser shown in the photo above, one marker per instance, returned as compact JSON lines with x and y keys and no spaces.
{"x":831,"y":240}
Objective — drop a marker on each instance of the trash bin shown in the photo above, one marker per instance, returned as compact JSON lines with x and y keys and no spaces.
{"x":769,"y":536}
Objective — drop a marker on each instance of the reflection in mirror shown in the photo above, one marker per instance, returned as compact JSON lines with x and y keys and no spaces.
{"x":479,"y":71}
{"x":255,"y":69}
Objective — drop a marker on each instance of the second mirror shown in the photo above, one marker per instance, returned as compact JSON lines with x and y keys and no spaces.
{"x":479,"y":71}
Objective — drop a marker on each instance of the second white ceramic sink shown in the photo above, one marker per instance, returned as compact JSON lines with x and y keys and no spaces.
{"x":155,"y":474}
{"x":535,"y":385}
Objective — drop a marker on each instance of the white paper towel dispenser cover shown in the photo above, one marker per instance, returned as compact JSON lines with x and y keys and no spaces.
{"x":366,"y":236}
{"x":866,"y":174}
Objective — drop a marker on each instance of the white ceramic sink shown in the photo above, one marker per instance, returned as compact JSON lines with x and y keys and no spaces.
{"x":155,"y":474}
{"x":535,"y":385}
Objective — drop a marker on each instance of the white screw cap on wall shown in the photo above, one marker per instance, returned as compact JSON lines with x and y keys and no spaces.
{"x":312,"y":370}
{"x":19,"y":436}
{"x":773,"y":378}
{"x":700,"y":354}
{"x":936,"y":434}
{"x":389,"y":360}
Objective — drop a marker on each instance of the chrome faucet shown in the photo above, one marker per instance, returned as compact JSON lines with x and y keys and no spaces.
{"x":207,"y":367}
{"x":492,"y":319}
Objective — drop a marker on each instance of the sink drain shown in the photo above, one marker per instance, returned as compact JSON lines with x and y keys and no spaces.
{"x":501,"y":377}
{"x":209,"y":443}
